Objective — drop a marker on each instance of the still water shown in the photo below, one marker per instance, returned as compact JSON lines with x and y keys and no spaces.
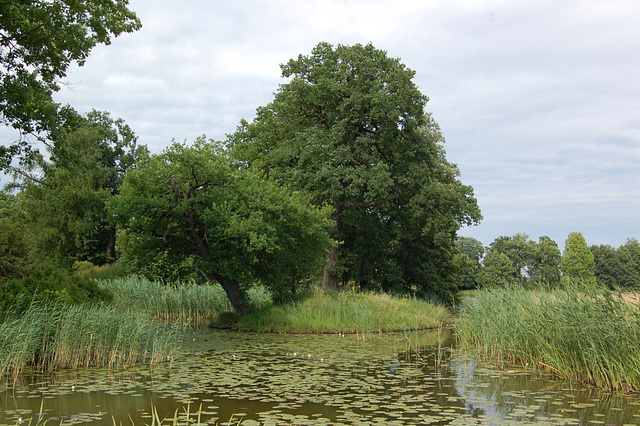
{"x":256,"y":379}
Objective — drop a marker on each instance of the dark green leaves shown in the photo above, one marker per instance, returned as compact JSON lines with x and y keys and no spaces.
{"x":349,"y":128}
{"x":239,"y":229}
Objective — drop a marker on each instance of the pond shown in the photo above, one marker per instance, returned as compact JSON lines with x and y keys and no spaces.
{"x":269,"y":379}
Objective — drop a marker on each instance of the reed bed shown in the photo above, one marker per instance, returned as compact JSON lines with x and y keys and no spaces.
{"x":578,"y":333}
{"x":51,"y":336}
{"x":185,"y":302}
{"x":348,"y":312}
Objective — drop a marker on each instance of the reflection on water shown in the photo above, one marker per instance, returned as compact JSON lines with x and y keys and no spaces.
{"x":413,"y":378}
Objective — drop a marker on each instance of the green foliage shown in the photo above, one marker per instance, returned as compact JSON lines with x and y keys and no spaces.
{"x":518,"y":249}
{"x":13,"y":246}
{"x":349,"y":128}
{"x":191,"y":206}
{"x":629,"y":255}
{"x":48,"y":283}
{"x":618,"y":268}
{"x":497,"y":270}
{"x":579,"y":333}
{"x":473,"y":252}
{"x":348,"y":311}
{"x":531,"y":262}
{"x":577,"y":260}
{"x":61,"y":205}
{"x":544,"y":267}
{"x":609,"y":271}
{"x":38,"y":42}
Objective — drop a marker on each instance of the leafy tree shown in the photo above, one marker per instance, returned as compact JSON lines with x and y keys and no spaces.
{"x":544,"y":266}
{"x":473,"y":250}
{"x":13,"y":247}
{"x":577,"y":261}
{"x":39,"y":40}
{"x":350,"y":129}
{"x":497,"y":270}
{"x":63,"y":200}
{"x":609,"y":271}
{"x":232,"y":226}
{"x":629,"y":256}
{"x":519,"y":249}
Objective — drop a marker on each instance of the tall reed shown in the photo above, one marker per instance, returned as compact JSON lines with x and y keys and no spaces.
{"x":53,"y":336}
{"x":348,"y":311}
{"x":580,"y":333}
{"x":187,"y":302}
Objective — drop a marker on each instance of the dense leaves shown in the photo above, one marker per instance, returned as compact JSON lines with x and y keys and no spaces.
{"x":618,"y":268}
{"x":61,"y":205}
{"x":577,"y":260}
{"x":350,"y":129}
{"x":528,"y":262}
{"x":191,"y":207}
{"x":38,"y":41}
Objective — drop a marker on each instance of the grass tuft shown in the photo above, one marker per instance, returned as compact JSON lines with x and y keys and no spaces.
{"x":348,"y":312}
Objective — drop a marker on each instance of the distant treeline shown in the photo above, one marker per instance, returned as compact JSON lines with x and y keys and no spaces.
{"x":518,"y":260}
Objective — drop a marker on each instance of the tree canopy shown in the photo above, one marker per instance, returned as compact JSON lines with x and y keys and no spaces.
{"x":39,"y":39}
{"x":61,"y":203}
{"x":349,"y":128}
{"x":193,"y":207}
{"x":577,"y":261}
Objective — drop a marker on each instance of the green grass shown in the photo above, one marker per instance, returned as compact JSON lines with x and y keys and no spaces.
{"x":189,"y":303}
{"x":347,"y":312}
{"x":51,"y":336}
{"x":582,"y":334}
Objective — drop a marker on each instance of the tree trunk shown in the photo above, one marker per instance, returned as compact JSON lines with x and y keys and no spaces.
{"x":235,"y":295}
{"x":111,"y":245}
{"x":330,"y":281}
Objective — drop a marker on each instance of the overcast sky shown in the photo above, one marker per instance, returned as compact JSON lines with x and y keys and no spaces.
{"x":539,"y":101}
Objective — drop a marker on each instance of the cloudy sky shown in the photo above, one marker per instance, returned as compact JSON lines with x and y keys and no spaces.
{"x":539,"y":100}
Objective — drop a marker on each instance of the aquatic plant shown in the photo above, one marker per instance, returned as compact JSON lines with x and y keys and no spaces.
{"x":52,"y":336}
{"x":187,"y":302}
{"x":582,"y":333}
{"x":348,"y":312}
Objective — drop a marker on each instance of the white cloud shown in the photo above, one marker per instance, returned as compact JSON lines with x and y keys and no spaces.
{"x":538,"y":100}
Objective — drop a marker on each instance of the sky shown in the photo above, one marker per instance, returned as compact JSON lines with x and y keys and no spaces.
{"x":539,"y":100}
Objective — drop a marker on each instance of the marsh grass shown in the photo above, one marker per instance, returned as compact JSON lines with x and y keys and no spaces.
{"x":51,"y":336}
{"x":348,"y":312}
{"x":585,"y":334}
{"x":188,"y":302}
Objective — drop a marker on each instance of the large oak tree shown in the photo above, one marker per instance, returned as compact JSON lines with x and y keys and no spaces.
{"x":350,"y":128}
{"x":191,"y":206}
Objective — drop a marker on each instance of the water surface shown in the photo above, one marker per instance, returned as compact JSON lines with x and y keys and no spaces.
{"x":271,"y":379}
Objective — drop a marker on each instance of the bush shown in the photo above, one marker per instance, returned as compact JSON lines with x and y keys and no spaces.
{"x":48,"y":283}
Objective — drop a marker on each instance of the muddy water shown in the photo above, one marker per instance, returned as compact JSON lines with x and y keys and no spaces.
{"x":415,"y":378}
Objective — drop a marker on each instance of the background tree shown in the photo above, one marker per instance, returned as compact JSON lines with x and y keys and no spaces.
{"x":473,"y":250}
{"x":234,"y":227}
{"x":497,"y":270}
{"x":544,"y":266}
{"x":39,"y":39}
{"x":609,"y":271}
{"x":629,"y":256}
{"x":519,"y":249}
{"x":13,"y":247}
{"x":62,"y":201}
{"x":350,"y":129}
{"x":577,"y":261}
